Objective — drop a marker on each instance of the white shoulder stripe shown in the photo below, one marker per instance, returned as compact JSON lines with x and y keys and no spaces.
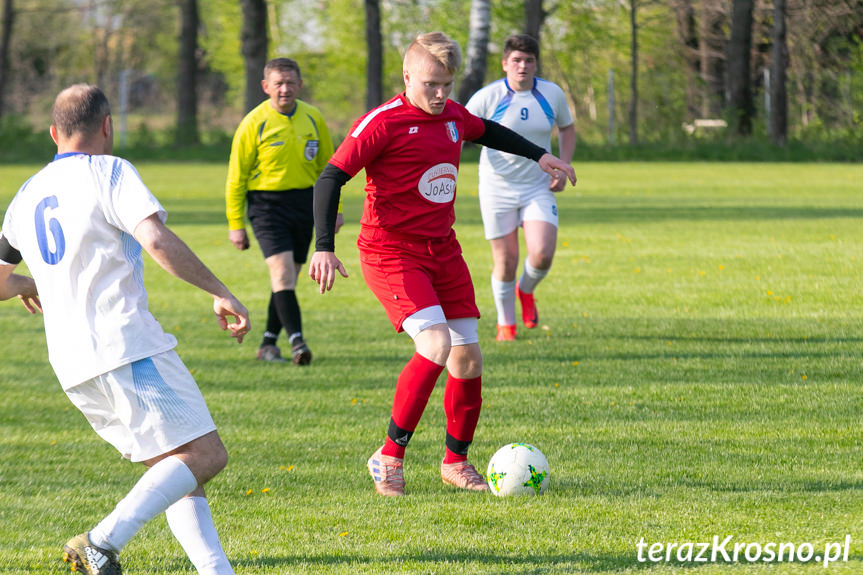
{"x":372,"y":115}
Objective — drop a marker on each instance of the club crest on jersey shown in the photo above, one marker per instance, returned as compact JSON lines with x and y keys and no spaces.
{"x":311,"y":150}
{"x":452,"y":131}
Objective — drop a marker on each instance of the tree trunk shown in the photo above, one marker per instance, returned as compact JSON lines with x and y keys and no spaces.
{"x":187,"y":75}
{"x":740,"y":105}
{"x":5,"y":41}
{"x":778,"y":72}
{"x":687,"y":33}
{"x":534,"y":16}
{"x":375,"y":49}
{"x":711,"y":58}
{"x":633,"y":81}
{"x":477,"y":49}
{"x":254,"y":48}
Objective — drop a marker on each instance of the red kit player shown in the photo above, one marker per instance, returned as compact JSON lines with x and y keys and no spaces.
{"x":410,"y":149}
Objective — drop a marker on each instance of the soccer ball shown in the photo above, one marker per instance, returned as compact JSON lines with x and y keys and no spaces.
{"x":518,"y":469}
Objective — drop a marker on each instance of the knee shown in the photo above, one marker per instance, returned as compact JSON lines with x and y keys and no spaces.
{"x":542,"y":259}
{"x":434,"y":343}
{"x":438,"y":351}
{"x":465,"y":361}
{"x":219,"y":459}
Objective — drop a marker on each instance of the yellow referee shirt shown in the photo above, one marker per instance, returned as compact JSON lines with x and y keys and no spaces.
{"x":274,"y":152}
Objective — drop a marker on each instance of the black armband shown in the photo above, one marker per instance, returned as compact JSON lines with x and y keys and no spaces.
{"x":328,"y":190}
{"x":8,"y":254}
{"x":502,"y":138}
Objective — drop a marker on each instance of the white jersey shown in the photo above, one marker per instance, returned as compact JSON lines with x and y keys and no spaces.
{"x":532,"y":113}
{"x":73,"y":222}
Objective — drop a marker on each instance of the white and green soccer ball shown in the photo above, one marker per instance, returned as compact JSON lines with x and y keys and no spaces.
{"x":518,"y":469}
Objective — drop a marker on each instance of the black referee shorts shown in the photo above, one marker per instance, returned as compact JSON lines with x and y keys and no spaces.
{"x":282,"y":221}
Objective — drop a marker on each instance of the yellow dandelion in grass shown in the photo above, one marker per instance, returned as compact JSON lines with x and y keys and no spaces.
{"x":585,"y":314}
{"x":54,"y":442}
{"x":668,"y":343}
{"x":254,"y":552}
{"x":556,"y":385}
{"x":249,"y":492}
{"x":565,"y":244}
{"x":702,"y":272}
{"x":265,"y":490}
{"x":288,"y":468}
{"x":758,"y":278}
{"x":721,"y":267}
{"x":668,"y":270}
{"x":638,"y":270}
{"x":343,"y":533}
{"x":769,"y":292}
{"x":574,"y":363}
{"x":803,"y":376}
{"x":354,"y":401}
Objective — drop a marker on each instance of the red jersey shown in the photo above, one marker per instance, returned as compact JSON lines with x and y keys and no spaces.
{"x":411,"y":160}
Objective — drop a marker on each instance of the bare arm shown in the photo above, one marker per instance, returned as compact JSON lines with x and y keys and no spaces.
{"x":12,"y":285}
{"x":172,"y":254}
{"x":566,"y":145}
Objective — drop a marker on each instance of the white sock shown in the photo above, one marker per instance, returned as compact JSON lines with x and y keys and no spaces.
{"x":530,"y":277}
{"x":191,"y":523}
{"x":504,"y":299}
{"x":163,"y":484}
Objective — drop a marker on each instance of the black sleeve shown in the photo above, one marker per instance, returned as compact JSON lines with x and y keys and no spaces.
{"x":502,"y":138}
{"x":8,"y":254}
{"x":328,"y":189}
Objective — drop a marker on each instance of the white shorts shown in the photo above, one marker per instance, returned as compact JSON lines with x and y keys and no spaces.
{"x":462,"y":330}
{"x":505,"y":206}
{"x":146,"y":408}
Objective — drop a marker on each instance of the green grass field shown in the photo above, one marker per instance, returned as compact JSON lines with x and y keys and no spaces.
{"x":697,"y":373}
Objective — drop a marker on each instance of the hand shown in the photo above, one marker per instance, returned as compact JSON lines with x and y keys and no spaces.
{"x":323,"y":268}
{"x":558,"y":182}
{"x":31,"y":302}
{"x":557,"y":168}
{"x":227,"y":307}
{"x":340,"y":221}
{"x":239,"y":238}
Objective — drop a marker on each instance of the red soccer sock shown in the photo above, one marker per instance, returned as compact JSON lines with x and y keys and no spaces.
{"x":415,"y":385}
{"x":462,"y":404}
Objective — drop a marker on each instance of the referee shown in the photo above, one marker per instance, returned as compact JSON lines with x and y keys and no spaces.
{"x":278,"y":152}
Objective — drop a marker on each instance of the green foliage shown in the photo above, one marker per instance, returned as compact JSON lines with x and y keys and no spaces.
{"x":695,"y":373}
{"x":56,"y":42}
{"x":220,"y":41}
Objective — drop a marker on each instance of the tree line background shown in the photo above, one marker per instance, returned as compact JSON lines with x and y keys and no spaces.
{"x":636,"y":72}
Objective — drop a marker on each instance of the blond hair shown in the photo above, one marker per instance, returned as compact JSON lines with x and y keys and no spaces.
{"x":439,"y":46}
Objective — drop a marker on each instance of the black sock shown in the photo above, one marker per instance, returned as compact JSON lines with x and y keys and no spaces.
{"x":289,"y":311}
{"x":274,"y":324}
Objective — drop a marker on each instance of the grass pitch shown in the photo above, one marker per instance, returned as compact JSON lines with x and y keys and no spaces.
{"x":696,"y":374}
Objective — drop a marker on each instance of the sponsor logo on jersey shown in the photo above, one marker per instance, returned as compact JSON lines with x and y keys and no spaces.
{"x":452,"y":131}
{"x":437,"y":184}
{"x":413,"y":130}
{"x":311,"y":150}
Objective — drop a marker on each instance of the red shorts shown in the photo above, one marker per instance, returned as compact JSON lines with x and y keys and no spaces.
{"x":407,"y":275}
